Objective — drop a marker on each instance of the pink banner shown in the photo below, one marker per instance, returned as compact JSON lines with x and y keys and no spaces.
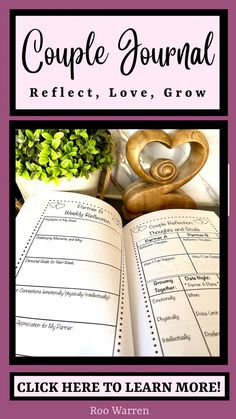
{"x":126,"y":62}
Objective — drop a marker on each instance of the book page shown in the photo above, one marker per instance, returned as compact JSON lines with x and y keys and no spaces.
{"x":71,"y":285}
{"x":173,"y":274}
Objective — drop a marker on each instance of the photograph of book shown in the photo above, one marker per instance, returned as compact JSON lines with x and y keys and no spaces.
{"x":86,"y":286}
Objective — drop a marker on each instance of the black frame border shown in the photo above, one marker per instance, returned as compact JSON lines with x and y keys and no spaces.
{"x":223,"y":70}
{"x":136,"y":360}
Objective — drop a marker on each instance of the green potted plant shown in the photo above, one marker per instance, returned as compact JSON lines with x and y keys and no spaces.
{"x":61,"y":159}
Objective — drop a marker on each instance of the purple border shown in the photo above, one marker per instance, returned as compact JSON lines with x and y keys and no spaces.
{"x":80,"y":409}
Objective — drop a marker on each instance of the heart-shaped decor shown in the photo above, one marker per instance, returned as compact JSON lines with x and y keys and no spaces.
{"x":139,"y":228}
{"x":157,"y":189}
{"x":56,"y":205}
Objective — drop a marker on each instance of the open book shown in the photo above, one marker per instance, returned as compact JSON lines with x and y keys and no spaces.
{"x":85,"y":286}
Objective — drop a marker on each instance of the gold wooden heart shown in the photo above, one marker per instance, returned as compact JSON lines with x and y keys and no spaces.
{"x":158,"y":188}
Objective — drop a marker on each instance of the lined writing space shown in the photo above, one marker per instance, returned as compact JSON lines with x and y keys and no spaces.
{"x":72,"y":227}
{"x":68,"y":281}
{"x":98,"y":276}
{"x":70,"y":306}
{"x":85,"y":249}
{"x":56,"y":338}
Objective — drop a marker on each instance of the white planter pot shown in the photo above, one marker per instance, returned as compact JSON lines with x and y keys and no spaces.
{"x":81,"y":185}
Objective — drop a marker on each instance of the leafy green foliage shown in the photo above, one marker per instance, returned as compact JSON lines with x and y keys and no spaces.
{"x":48,"y":154}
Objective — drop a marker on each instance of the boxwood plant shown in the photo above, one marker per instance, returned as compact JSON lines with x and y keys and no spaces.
{"x":49,"y":154}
